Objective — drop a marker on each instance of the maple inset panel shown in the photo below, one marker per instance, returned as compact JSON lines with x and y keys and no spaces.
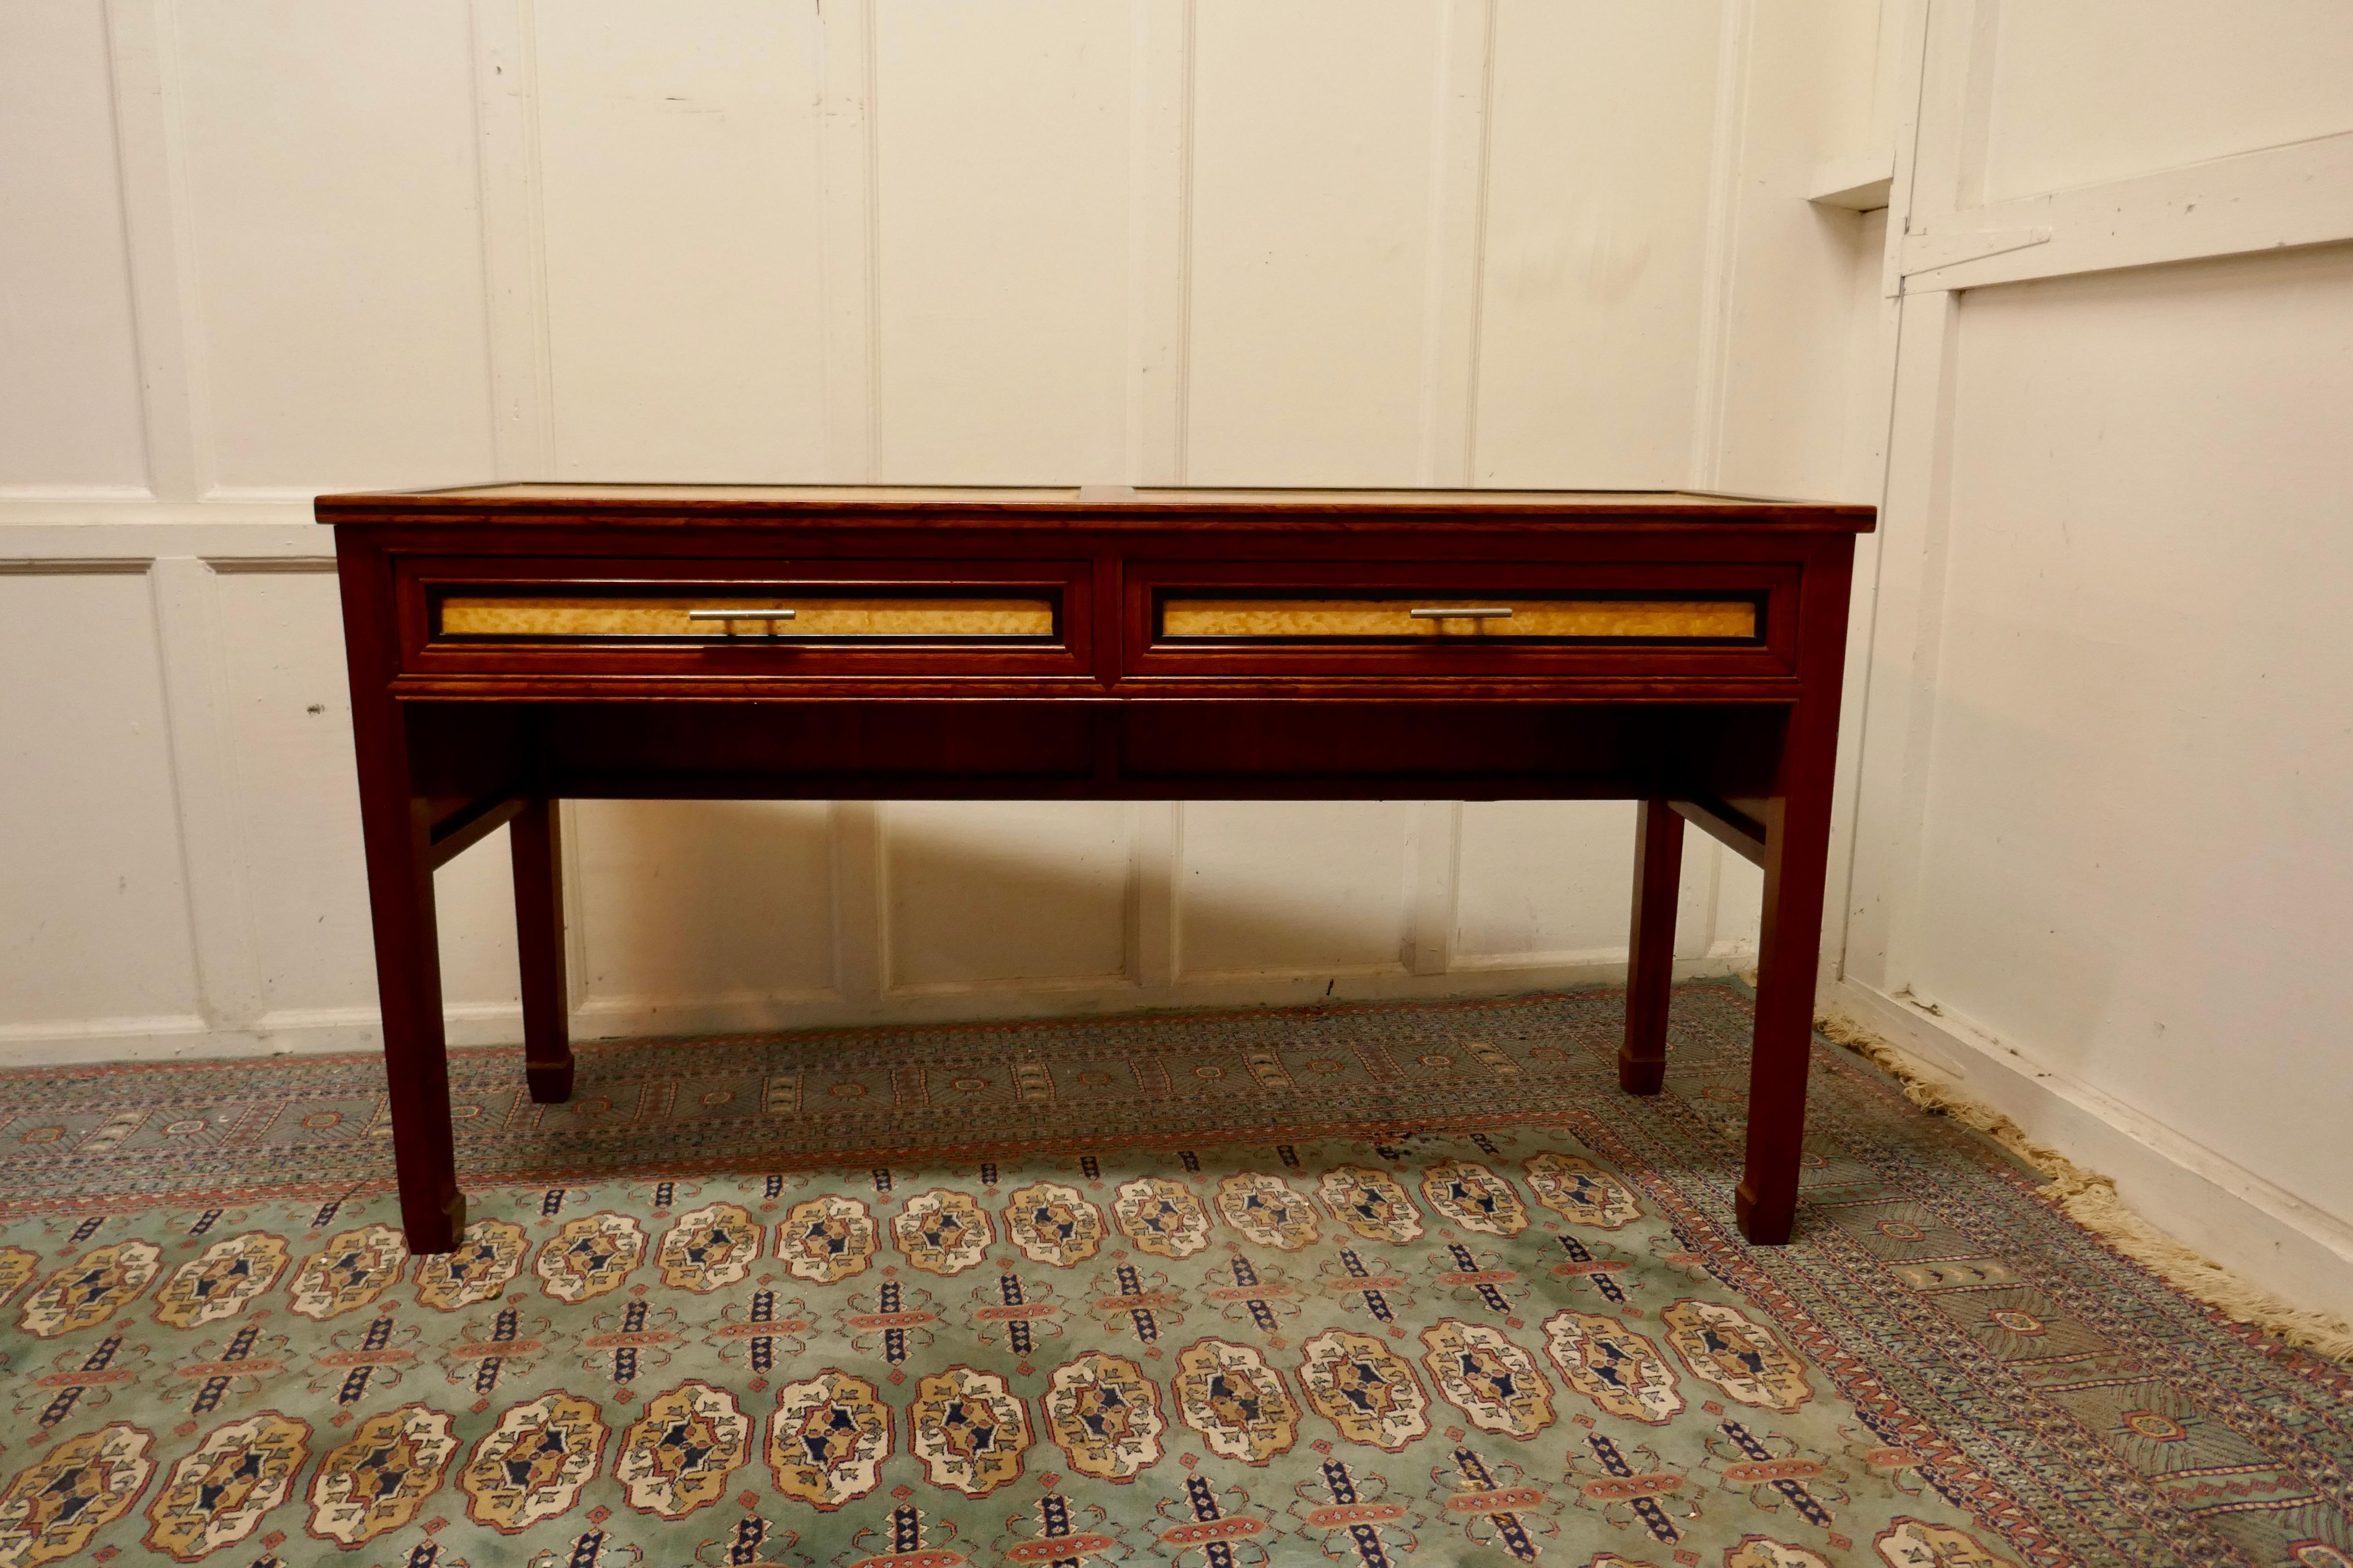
{"x":582,"y":616}
{"x":1313,"y":620}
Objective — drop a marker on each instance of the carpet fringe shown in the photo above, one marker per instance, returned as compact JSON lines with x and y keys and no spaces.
{"x":2091,"y":1201}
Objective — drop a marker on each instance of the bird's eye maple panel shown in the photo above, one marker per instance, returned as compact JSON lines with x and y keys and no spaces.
{"x":1490,"y":617}
{"x":793,"y":619}
{"x":727,"y":614}
{"x":1538,"y":618}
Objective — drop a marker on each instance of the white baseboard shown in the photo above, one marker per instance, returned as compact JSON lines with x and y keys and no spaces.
{"x":190,"y":1037}
{"x":2200,"y":1199}
{"x":329,"y":1030}
{"x":62,"y":1042}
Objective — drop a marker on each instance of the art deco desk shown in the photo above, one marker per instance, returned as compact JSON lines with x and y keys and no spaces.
{"x":513,"y":644}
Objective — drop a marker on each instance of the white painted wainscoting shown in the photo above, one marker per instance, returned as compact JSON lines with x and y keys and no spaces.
{"x":2102,"y":772}
{"x":185,"y":875}
{"x":259,"y":248}
{"x":188,"y":824}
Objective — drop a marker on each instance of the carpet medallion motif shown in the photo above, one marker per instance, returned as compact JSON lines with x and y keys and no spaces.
{"x":1368,"y":1286}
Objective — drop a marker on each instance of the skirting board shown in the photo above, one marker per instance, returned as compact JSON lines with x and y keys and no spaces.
{"x":2197,"y":1196}
{"x":623,"y":1017}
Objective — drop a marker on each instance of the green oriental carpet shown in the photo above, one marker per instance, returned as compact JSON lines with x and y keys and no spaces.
{"x":1394,"y":1285}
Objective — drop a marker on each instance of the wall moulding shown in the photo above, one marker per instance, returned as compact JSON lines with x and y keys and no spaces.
{"x":230,"y":566}
{"x":161,"y":529}
{"x":2280,"y":197}
{"x":73,"y":565}
{"x":153,"y":176}
{"x":32,"y":496}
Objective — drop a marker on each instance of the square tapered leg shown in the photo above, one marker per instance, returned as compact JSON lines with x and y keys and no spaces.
{"x":536,"y":839}
{"x":1797,"y":852}
{"x":1651,"y":970}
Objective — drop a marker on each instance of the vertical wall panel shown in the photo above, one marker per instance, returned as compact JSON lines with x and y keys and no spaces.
{"x":1802,"y":279}
{"x":68,"y":370}
{"x":1313,"y":124}
{"x":333,"y":235}
{"x":473,"y":898}
{"x":1293,"y":888}
{"x":93,"y":901}
{"x":1555,"y":878}
{"x":2135,"y":851}
{"x":2100,"y":89}
{"x":681,"y":202}
{"x":1001,"y":148}
{"x":1739,"y":903}
{"x":679,"y":158}
{"x":280,"y":654}
{"x":1004,"y":890}
{"x":1545,"y":876}
{"x":695,"y":901}
{"x":1596,"y":230}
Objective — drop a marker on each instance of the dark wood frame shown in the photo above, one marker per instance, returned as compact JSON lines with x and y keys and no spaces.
{"x":456,"y":739}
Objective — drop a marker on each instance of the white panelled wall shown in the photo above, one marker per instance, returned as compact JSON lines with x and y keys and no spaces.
{"x":2074,"y":302}
{"x":2101,"y":824}
{"x":255,"y":250}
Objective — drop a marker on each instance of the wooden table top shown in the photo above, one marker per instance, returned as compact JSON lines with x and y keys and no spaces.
{"x":1107,"y":506}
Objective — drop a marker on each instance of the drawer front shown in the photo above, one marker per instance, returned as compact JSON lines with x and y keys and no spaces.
{"x":734,"y":619}
{"x":1547,"y":619}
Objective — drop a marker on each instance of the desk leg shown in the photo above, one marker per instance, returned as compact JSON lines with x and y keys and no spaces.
{"x":408,"y":984}
{"x":1797,"y":853}
{"x":1651,"y":970}
{"x":536,"y":841}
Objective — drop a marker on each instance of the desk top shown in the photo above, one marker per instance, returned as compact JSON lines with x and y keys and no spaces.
{"x":1100,"y":506}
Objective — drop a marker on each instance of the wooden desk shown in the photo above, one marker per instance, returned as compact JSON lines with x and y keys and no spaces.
{"x":513,"y":645}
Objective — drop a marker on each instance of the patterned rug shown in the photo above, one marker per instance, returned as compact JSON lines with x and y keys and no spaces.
{"x":1372,"y":1285}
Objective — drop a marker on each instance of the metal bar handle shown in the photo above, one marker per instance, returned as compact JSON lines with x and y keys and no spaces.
{"x":746,"y":614}
{"x":1462,"y":612}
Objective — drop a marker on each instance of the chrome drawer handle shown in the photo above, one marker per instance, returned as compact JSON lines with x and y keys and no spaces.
{"x":750,"y":615}
{"x":1471,"y":613}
